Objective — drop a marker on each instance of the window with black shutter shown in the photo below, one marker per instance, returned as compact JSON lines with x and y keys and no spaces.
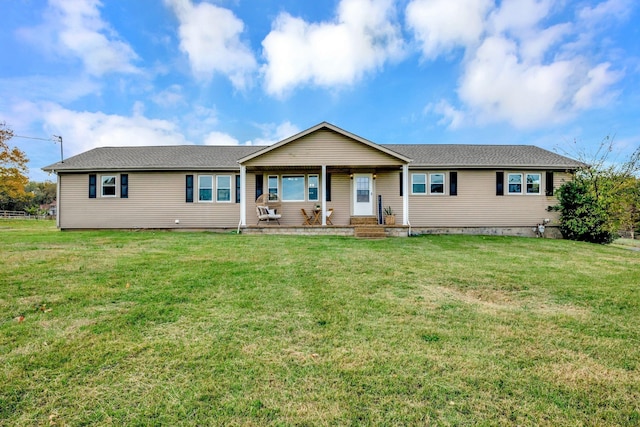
{"x":259,"y":185}
{"x":124,"y":186}
{"x":92,"y":186}
{"x":237,"y":188}
{"x":499,"y":183}
{"x":189,"y":189}
{"x":401,"y":185}
{"x":548,"y":182}
{"x":453,"y":183}
{"x":328,"y":188}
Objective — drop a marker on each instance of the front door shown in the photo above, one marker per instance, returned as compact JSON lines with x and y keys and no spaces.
{"x":362,"y":194}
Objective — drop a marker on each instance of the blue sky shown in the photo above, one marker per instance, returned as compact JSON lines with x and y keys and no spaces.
{"x":152,"y":72}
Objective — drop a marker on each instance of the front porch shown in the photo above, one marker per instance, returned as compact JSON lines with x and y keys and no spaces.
{"x":329,"y":230}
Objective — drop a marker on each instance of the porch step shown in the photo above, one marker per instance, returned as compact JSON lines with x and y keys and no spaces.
{"x":369,"y":232}
{"x":363,"y":220}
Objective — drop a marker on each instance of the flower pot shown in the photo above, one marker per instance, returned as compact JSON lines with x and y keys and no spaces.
{"x":389,"y":220}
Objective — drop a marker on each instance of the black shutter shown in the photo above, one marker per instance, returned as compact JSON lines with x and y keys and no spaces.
{"x":548,"y":181}
{"x":259,"y":185}
{"x":401,"y":185}
{"x":237,"y":188}
{"x":453,"y":183}
{"x":92,"y":186}
{"x":328,"y":187}
{"x":124,"y":186}
{"x":499,"y":183}
{"x":189,"y":189}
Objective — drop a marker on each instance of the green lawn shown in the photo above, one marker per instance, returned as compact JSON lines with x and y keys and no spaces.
{"x":161,"y":328}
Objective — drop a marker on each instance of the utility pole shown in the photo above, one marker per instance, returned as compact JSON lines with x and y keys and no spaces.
{"x":61,"y":151}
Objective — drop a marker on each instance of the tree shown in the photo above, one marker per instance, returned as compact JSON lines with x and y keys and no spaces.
{"x":13,"y":170}
{"x":43,"y":192}
{"x":582,"y":216}
{"x":604,"y":197}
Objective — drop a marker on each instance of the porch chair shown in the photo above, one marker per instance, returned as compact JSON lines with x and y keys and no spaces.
{"x":329,"y":213}
{"x":266,"y":214}
{"x":306,"y":217}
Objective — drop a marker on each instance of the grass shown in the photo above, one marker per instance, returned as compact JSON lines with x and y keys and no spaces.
{"x":160,"y":328}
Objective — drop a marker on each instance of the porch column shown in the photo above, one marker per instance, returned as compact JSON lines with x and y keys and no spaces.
{"x":58,"y":184}
{"x":324,"y":195}
{"x":243,"y":195}
{"x":405,"y":194}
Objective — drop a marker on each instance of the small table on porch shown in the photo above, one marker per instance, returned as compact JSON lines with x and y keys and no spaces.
{"x":317,"y":217}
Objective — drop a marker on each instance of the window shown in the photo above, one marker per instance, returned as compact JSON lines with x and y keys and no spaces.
{"x":436,"y":183}
{"x":273,"y":187}
{"x":515,"y":183}
{"x":293,"y":188}
{"x":312,"y":190}
{"x":418,"y":183}
{"x":108,"y":186}
{"x":533,"y":183}
{"x":205,"y":188}
{"x":223,"y":188}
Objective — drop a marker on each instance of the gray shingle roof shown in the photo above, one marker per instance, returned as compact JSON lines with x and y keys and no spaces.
{"x":201,"y":157}
{"x":482,"y":156}
{"x":179,"y":157}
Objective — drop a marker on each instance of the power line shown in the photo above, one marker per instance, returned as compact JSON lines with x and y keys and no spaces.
{"x":54,"y":138}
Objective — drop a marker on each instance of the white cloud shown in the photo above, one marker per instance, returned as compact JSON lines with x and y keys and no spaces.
{"x":75,"y":28}
{"x":169,"y":97}
{"x":83,"y":130}
{"x":497,"y":85}
{"x":272,"y":133}
{"x":210,"y":36}
{"x":594,"y":90}
{"x":521,"y":71}
{"x":602,"y":11}
{"x":443,"y":25}
{"x":361,"y":39}
{"x":451,"y":117}
{"x":219,"y":138}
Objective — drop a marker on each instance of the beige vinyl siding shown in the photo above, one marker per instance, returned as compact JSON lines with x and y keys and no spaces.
{"x":156,"y":200}
{"x":477,"y":205}
{"x":387,"y":185}
{"x":324,"y":147}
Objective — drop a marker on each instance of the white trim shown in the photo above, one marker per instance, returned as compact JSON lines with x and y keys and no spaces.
{"x":405,"y":194}
{"x":308,"y":186}
{"x":323,"y":184}
{"x":539,"y":184}
{"x":198,"y":187}
{"x":243,"y":195}
{"x":304,"y":187}
{"x":277,"y":177}
{"x":115,"y":186}
{"x":426,"y":184}
{"x":444,"y":181}
{"x":354,"y":188}
{"x":515,"y":193}
{"x":218,"y":188}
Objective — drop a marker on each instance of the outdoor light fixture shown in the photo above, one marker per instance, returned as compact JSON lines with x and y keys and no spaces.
{"x":375,"y":175}
{"x":351,"y":176}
